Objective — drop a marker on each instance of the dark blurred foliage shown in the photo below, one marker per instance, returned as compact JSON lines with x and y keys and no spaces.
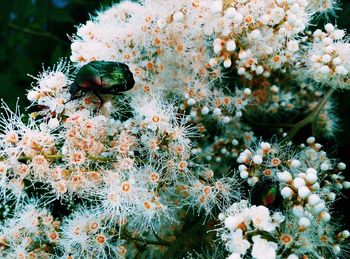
{"x":34,"y":33}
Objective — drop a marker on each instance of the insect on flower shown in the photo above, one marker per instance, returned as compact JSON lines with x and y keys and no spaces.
{"x":102,"y":77}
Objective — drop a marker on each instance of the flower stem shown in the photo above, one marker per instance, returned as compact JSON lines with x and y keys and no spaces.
{"x":310,"y":118}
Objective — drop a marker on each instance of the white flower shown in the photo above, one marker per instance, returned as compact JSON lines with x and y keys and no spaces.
{"x":261,"y":219}
{"x":237,"y":243}
{"x":263,"y":249}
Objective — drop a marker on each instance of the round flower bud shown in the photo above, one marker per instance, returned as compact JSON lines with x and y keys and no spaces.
{"x":284,"y":176}
{"x":230,"y":12}
{"x":313,"y":199}
{"x":191,"y":101}
{"x":217,"y":111}
{"x":287,"y":193}
{"x":205,"y":110}
{"x":325,"y":216}
{"x":244,"y":174}
{"x":310,"y":140}
{"x":53,"y":123}
{"x":304,"y":222}
{"x":295,"y":163}
{"x":227,"y":62}
{"x":226,"y":120}
{"x":345,"y":234}
{"x":230,"y":45}
{"x":257,"y":159}
{"x":329,"y":27}
{"x":326,"y":58}
{"x":303,"y":191}
{"x":331,"y":196}
{"x":242,"y":168}
{"x":324,"y":69}
{"x":178,"y":16}
{"x":346,"y":185}
{"x":321,"y":206}
{"x":311,"y":178}
{"x":221,"y":216}
{"x":341,"y":166}
{"x":311,"y":171}
{"x":336,"y":249}
{"x":298,"y":182}
{"x":293,"y":256}
{"x":298,"y":211}
{"x":33,"y":96}
{"x":247,"y":91}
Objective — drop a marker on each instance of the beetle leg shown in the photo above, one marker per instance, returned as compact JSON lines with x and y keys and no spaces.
{"x":99,"y":97}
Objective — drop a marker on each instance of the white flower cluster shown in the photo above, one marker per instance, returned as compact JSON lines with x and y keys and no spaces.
{"x":308,"y":182}
{"x":242,"y":221}
{"x":127,"y":170}
{"x":328,"y":57}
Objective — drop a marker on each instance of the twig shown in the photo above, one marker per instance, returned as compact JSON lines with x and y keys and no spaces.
{"x":38,"y":33}
{"x":309,"y":119}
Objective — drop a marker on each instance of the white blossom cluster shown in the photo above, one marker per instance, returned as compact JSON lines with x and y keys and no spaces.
{"x":147,"y":172}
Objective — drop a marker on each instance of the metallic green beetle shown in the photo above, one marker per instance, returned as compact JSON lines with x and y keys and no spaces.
{"x":102,"y":77}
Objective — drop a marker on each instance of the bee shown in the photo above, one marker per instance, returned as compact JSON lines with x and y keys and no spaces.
{"x":102,"y":77}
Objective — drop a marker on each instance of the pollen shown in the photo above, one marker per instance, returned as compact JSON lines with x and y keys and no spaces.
{"x":275,"y":161}
{"x":126,"y":187}
{"x":155,"y":119}
{"x":101,"y":239}
{"x":182,"y":165}
{"x":286,"y":239}
{"x":154,"y":177}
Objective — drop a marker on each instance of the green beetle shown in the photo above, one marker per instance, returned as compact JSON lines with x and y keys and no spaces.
{"x":102,"y":77}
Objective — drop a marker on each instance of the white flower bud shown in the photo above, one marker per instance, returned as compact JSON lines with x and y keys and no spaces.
{"x":287,"y":193}
{"x":33,"y":96}
{"x":205,"y":110}
{"x":341,"y":166}
{"x":247,"y":91}
{"x":329,"y":27}
{"x":217,"y":48}
{"x":293,"y":256}
{"x":325,"y":216}
{"x":230,"y":12}
{"x":298,"y":182}
{"x":331,"y":196}
{"x":226,"y":120}
{"x":257,"y":159}
{"x":313,"y":199}
{"x":217,"y":111}
{"x":259,"y":70}
{"x":53,"y":123}
{"x":319,"y":207}
{"x":326,"y":58}
{"x":255,"y":34}
{"x":345,"y":234}
{"x":336,"y":249}
{"x":191,"y":101}
{"x":310,"y":140}
{"x":230,"y":45}
{"x":227,"y":62}
{"x":304,"y":222}
{"x":341,"y":70}
{"x":295,"y":163}
{"x":303,"y":191}
{"x":178,"y":16}
{"x":284,"y":176}
{"x":298,"y":211}
{"x":346,"y":185}
{"x":241,"y":71}
{"x":244,"y":174}
{"x":324,"y":69}
{"x":311,"y":178}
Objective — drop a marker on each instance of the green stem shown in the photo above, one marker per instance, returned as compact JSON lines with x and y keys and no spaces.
{"x":309,"y":119}
{"x":38,"y":33}
{"x":126,"y":235}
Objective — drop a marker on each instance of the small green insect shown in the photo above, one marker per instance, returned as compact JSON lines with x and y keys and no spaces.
{"x":102,"y":77}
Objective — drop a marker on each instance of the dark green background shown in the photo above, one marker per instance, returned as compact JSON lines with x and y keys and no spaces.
{"x":35,"y":33}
